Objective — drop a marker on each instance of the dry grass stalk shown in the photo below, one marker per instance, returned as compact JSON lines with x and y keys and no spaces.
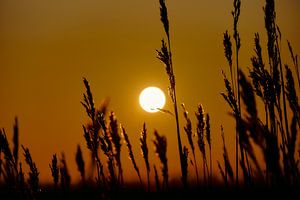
{"x":165,"y":55}
{"x":208,"y":139}
{"x":8,"y":168}
{"x":65,"y":178}
{"x":80,"y":163}
{"x":91,"y":131}
{"x":54,"y":170}
{"x":228,"y":54}
{"x":234,"y":73}
{"x":200,"y":133}
{"x":144,"y":148}
{"x":16,"y":141}
{"x":295,"y":62}
{"x":34,"y":173}
{"x":161,"y":150}
{"x":106,"y":147}
{"x":295,"y":107}
{"x":189,"y":133}
{"x":291,"y":94}
{"x":131,"y":155}
{"x":116,"y":141}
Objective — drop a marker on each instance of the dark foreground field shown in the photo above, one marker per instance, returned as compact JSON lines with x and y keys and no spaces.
{"x":132,"y":193}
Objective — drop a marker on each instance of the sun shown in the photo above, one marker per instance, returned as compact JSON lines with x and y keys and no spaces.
{"x":152,"y":99}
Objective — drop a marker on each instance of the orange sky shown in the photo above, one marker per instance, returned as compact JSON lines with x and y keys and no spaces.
{"x":46,"y":47}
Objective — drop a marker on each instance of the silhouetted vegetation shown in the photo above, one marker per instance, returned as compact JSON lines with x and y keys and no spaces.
{"x":269,"y":81}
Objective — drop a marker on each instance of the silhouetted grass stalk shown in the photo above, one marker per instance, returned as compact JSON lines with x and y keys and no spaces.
{"x":295,"y":62}
{"x":34,"y":173}
{"x":165,"y":55}
{"x":91,"y":133}
{"x":236,"y":14}
{"x":201,"y":142}
{"x":131,"y":155}
{"x":189,"y":133}
{"x":80,"y":163}
{"x":160,"y":144}
{"x":227,"y":166}
{"x":115,"y":139}
{"x":208,"y":138}
{"x":54,"y":170}
{"x":144,"y":148}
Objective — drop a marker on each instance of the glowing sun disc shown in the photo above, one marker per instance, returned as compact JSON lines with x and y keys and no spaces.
{"x":152,"y":99}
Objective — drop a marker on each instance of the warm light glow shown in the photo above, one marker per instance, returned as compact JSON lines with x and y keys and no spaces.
{"x":152,"y":99}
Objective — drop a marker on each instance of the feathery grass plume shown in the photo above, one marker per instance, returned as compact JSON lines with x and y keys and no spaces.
{"x":291,"y":94}
{"x":274,"y":37}
{"x":157,"y":183}
{"x":131,"y":155}
{"x":295,"y":62}
{"x":164,"y":16}
{"x":116,"y":141}
{"x":16,"y":141}
{"x":165,"y":55}
{"x":34,"y":173}
{"x":295,"y":107}
{"x":258,"y":74}
{"x":228,"y":54}
{"x":235,"y":14}
{"x":228,"y":49}
{"x":189,"y":133}
{"x":54,"y":170}
{"x":161,"y":150}
{"x":208,"y":139}
{"x":263,"y":87}
{"x":65,"y":178}
{"x":9,"y":170}
{"x":207,"y":128}
{"x":88,"y":101}
{"x":200,"y":133}
{"x":232,"y":102}
{"x":80,"y":163}
{"x":274,"y":54}
{"x":229,"y":96}
{"x":270,"y":26}
{"x":144,"y":148}
{"x":241,"y":136}
{"x":106,"y":147}
{"x":248,"y":97}
{"x":91,"y":131}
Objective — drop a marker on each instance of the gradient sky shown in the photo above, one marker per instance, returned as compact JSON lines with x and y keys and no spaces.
{"x":46,"y":47}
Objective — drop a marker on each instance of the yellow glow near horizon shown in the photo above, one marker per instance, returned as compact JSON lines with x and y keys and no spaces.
{"x":152,"y":99}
